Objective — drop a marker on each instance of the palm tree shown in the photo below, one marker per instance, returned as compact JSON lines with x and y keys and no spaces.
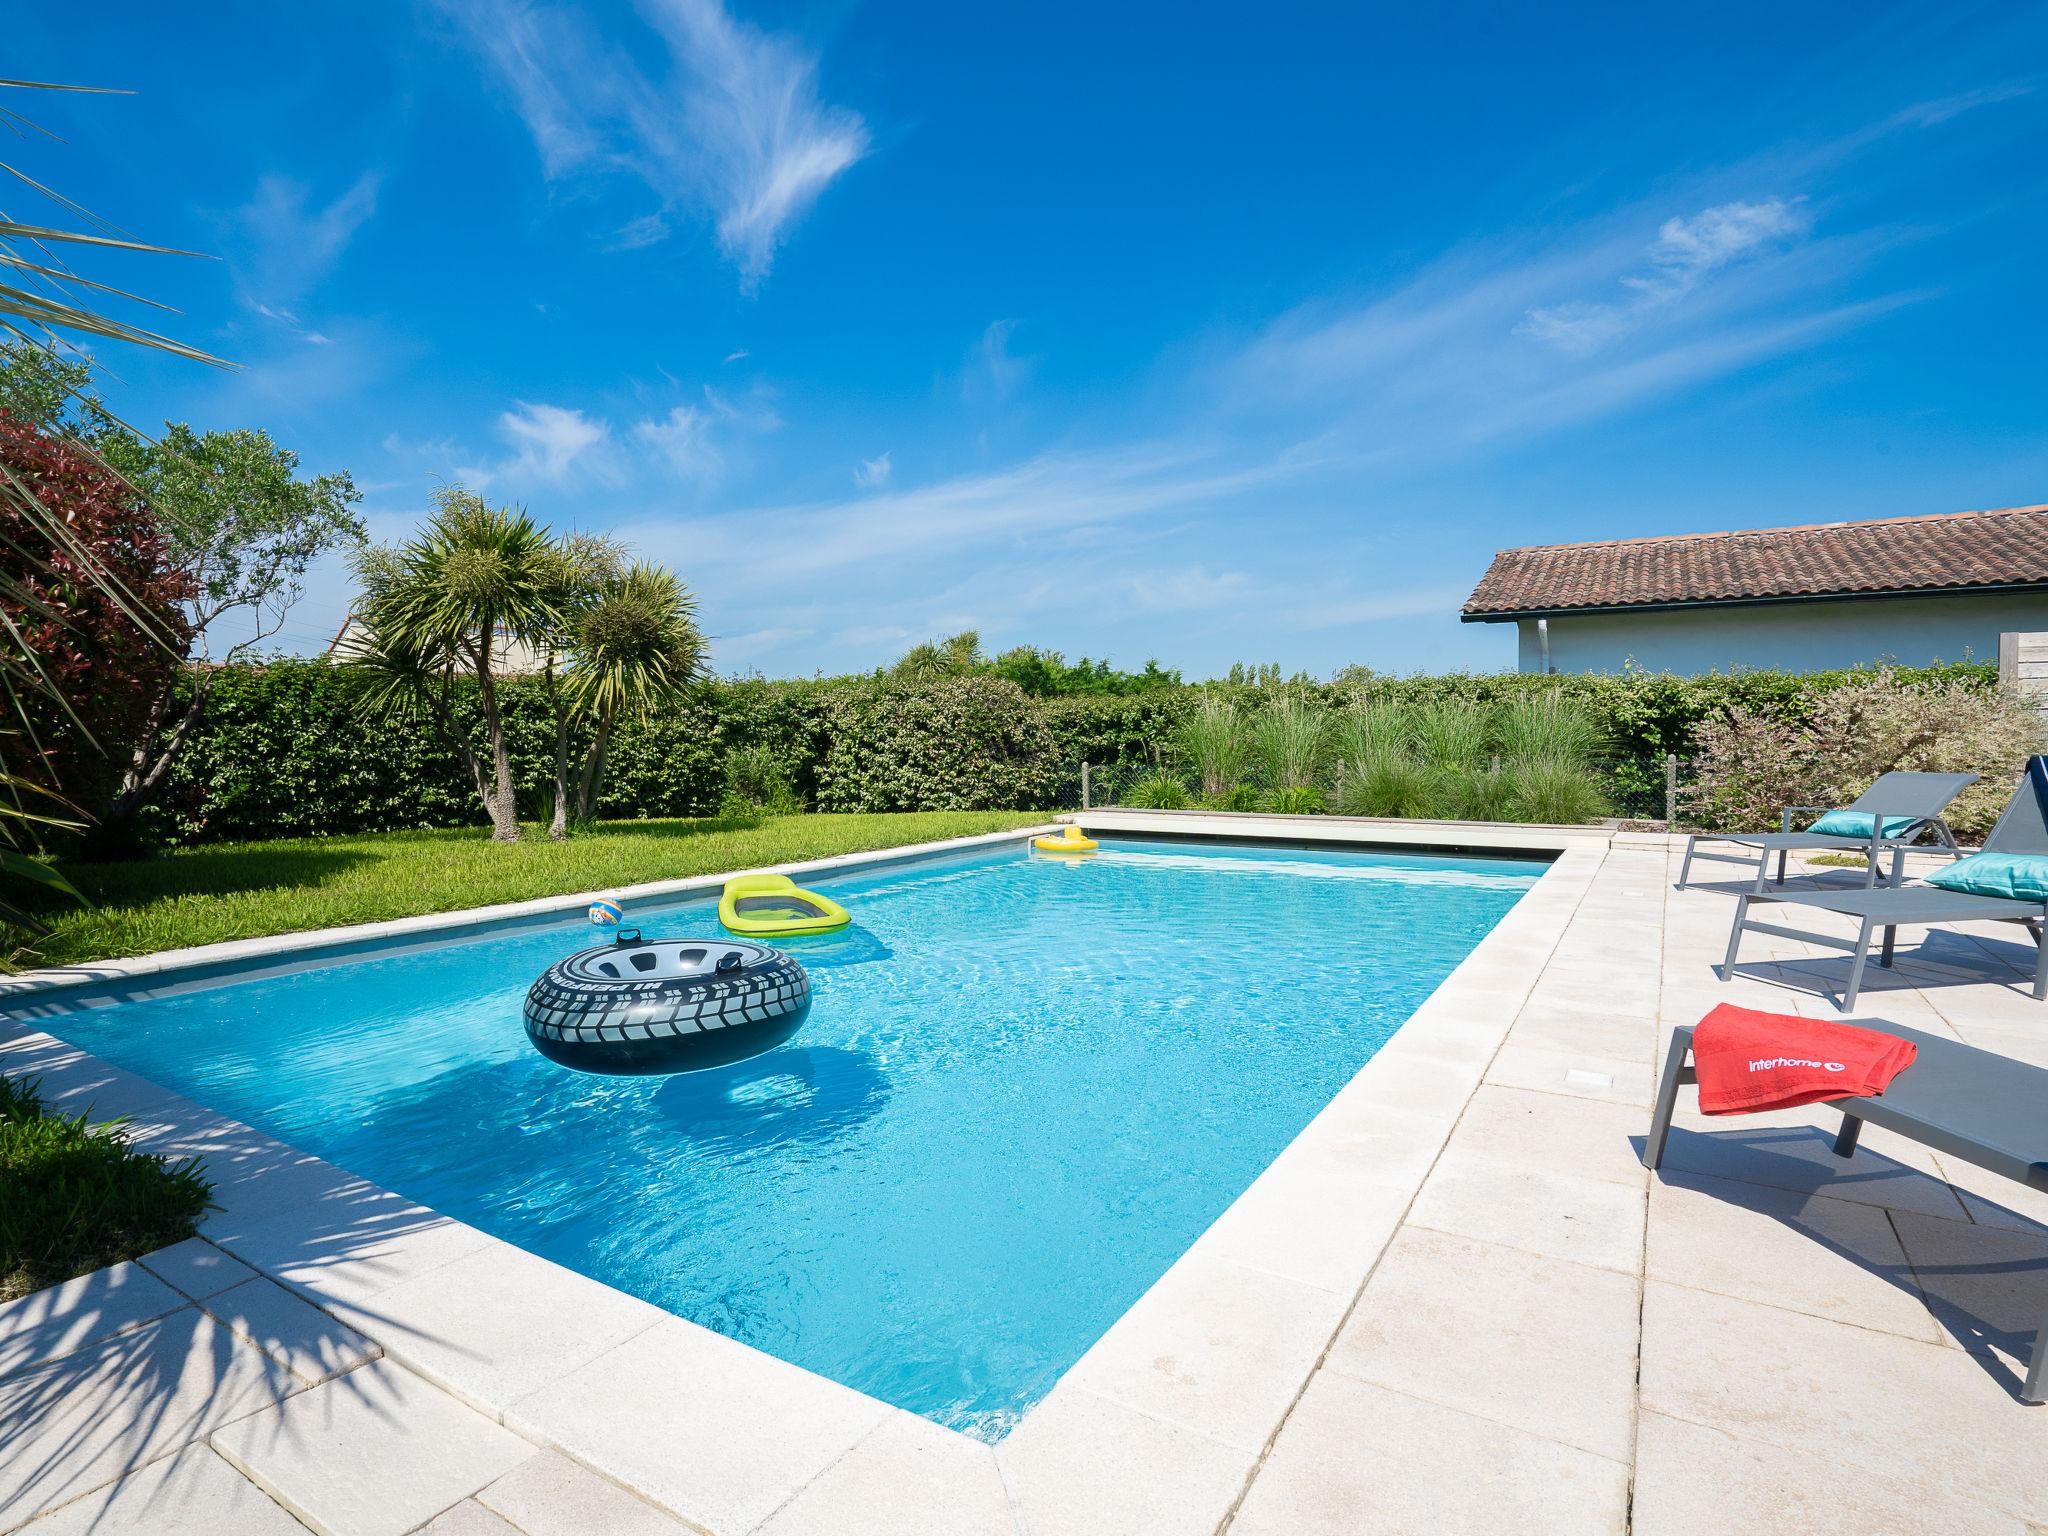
{"x":580,"y":569}
{"x":474,"y":581}
{"x":636,"y":645}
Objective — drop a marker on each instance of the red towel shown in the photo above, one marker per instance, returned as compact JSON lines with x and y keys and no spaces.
{"x":1749,"y":1061}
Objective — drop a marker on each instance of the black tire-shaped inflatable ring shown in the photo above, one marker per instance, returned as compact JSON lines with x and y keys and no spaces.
{"x":640,"y":1007}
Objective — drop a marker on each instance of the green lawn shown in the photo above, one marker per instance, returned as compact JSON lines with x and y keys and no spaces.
{"x":244,"y":890}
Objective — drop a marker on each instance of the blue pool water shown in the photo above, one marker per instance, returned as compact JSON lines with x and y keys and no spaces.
{"x":1025,"y":1088}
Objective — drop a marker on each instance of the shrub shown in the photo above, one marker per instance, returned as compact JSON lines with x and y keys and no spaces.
{"x":964,"y":743}
{"x":1239,"y":797}
{"x":1157,"y":792}
{"x":1753,"y":762}
{"x":78,"y":1197}
{"x":1540,"y":789}
{"x":1387,"y":784}
{"x":1296,"y":800}
{"x":755,"y":781}
{"x":102,"y":668}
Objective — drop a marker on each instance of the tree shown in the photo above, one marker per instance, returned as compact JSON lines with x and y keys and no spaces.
{"x":243,"y":528}
{"x":635,"y":645}
{"x":103,"y":637}
{"x":928,"y":662}
{"x":476,"y":580}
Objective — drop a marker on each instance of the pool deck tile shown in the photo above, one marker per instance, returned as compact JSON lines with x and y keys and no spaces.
{"x":710,"y":1430}
{"x":499,"y":1324}
{"x":77,"y":1423}
{"x":193,"y":1493}
{"x":299,"y":1337}
{"x":1536,"y":1208}
{"x":376,"y":1452}
{"x":469,"y":1518}
{"x":1862,"y":1397}
{"x":550,"y":1495}
{"x":197,"y":1268}
{"x":59,"y":1319}
{"x":1080,"y":1465}
{"x":1217,"y":1348}
{"x":1360,"y":1459}
{"x":1539,"y":1344}
{"x":1692,"y":1480}
{"x":1471,"y":1198}
{"x":906,"y":1475}
{"x":353,"y":1245}
{"x":1329,"y":1204}
{"x":1705,"y":1233}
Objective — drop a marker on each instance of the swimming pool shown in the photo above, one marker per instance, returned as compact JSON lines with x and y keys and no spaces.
{"x":1026,"y":1086}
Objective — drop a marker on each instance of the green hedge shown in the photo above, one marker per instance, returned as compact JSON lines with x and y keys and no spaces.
{"x":284,"y":751}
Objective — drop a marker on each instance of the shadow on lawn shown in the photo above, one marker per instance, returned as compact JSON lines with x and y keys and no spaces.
{"x":222,"y":871}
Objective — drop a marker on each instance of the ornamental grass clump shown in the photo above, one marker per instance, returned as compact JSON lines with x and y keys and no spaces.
{"x":76,"y":1197}
{"x":1290,"y":736}
{"x":1217,"y":740}
{"x":1387,"y":783}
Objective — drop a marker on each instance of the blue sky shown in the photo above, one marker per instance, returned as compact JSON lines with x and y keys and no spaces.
{"x":1140,"y":331}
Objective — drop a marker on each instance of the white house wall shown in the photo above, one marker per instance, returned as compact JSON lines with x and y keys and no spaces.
{"x":1801,"y":636}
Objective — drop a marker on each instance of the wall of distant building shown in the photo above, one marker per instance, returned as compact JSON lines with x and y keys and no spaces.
{"x":1795,"y":636}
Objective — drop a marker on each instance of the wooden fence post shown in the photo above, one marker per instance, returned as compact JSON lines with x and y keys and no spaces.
{"x":1670,"y":789}
{"x":1084,"y":784}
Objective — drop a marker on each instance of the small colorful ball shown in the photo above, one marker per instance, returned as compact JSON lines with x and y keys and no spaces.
{"x":605,"y":912}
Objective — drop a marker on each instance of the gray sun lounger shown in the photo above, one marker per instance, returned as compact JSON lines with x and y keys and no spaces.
{"x":2022,"y":828}
{"x":1921,"y":796}
{"x":1963,"y":1102}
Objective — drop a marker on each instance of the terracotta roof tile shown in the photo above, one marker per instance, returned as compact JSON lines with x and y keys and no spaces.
{"x":2003,"y":548}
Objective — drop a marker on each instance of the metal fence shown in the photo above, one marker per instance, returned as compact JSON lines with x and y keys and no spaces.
{"x":1649,"y":788}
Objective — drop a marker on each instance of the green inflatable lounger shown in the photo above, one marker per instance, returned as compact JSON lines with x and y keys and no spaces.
{"x":774,"y":906}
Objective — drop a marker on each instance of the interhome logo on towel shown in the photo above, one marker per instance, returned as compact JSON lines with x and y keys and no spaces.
{"x":1770,"y":1063}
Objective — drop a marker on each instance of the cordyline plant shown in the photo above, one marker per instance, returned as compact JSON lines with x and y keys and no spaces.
{"x":479,"y":582}
{"x":476,"y":581}
{"x":632,"y":646}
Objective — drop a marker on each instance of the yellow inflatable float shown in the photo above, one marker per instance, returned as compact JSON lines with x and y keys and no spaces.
{"x":1070,"y":840}
{"x":774,"y":907}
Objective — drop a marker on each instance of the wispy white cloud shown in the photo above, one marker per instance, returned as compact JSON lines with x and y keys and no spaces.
{"x":290,"y":241}
{"x":994,"y":373}
{"x":872,"y":474}
{"x":699,"y":442}
{"x":1686,"y":252}
{"x":735,"y":126}
{"x":548,"y":439}
{"x":683,"y":441}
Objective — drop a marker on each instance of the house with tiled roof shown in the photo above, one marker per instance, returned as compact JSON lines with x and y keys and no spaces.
{"x":1944,"y":587}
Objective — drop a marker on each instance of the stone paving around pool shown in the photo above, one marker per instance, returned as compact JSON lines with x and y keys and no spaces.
{"x":1456,"y":1304}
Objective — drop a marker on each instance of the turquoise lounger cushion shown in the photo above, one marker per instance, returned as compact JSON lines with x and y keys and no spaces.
{"x":2023,"y":876}
{"x":1857,"y":824}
